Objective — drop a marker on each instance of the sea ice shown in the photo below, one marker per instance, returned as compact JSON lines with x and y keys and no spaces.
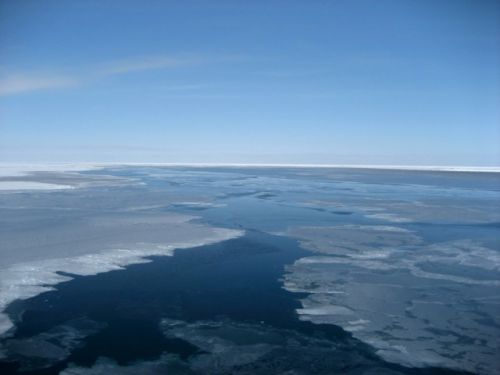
{"x":418,"y":304}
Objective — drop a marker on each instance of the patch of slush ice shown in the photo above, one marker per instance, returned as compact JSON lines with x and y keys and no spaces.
{"x":469,"y":207}
{"x":230,"y":347}
{"x":166,"y":364}
{"x":466,"y":253}
{"x":198,"y":204}
{"x":47,"y":348}
{"x":325,"y":310}
{"x":394,"y":218}
{"x":434,"y":305}
{"x":223,"y":346}
{"x":353,"y":239}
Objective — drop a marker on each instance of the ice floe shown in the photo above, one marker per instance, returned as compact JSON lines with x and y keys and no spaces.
{"x":461,"y":210}
{"x":418,"y":304}
{"x":352,"y":239}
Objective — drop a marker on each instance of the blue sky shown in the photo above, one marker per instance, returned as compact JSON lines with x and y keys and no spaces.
{"x":361,"y":82}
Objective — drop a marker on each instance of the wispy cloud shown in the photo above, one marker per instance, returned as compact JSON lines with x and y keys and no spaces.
{"x":147,"y":63}
{"x":18,"y":83}
{"x":291,"y":73}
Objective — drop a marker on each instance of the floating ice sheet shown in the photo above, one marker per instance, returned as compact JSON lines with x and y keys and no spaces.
{"x":352,"y":239}
{"x":418,"y":304}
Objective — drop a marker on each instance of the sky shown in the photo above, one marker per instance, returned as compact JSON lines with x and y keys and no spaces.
{"x":401,"y":82}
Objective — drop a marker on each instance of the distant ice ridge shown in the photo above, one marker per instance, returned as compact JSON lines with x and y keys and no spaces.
{"x":28,"y":279}
{"x":495,"y":169}
{"x":305,"y":165}
{"x":418,"y":304}
{"x":12,"y":169}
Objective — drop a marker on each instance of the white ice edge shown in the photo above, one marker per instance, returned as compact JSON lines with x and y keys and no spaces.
{"x":31,"y":185}
{"x":24,"y":168}
{"x":26,"y":280}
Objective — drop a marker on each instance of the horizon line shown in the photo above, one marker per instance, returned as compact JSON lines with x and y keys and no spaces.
{"x":91,"y":165}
